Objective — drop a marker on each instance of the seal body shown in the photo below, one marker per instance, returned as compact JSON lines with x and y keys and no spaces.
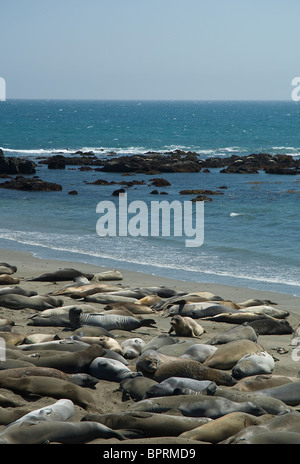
{"x":186,"y":327}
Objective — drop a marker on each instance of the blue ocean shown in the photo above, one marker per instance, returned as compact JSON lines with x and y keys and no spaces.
{"x":251,"y":230}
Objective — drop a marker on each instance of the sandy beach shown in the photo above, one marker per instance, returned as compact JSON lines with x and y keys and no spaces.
{"x":107,"y":394}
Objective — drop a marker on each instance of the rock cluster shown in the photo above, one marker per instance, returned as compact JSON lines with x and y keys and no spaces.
{"x":12,"y":165}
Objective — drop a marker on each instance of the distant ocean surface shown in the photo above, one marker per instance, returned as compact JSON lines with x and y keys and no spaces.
{"x":251,"y":231}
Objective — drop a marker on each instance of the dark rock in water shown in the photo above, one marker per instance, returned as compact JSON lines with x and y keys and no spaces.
{"x":160,"y":182}
{"x":101,"y":182}
{"x":154,"y":192}
{"x":57,"y":162}
{"x":12,"y":165}
{"x":200,"y":192}
{"x":116,"y":193}
{"x":73,"y":192}
{"x":278,"y":169}
{"x":153,"y":162}
{"x":30,"y":184}
{"x":201,"y":198}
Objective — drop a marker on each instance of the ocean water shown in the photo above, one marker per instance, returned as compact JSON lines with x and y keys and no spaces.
{"x":251,"y":231}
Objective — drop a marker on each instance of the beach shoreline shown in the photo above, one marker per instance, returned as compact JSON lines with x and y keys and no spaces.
{"x":107,"y":394}
{"x":30,"y":266}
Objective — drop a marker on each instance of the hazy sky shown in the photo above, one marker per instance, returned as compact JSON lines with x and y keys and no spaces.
{"x":150,"y":49}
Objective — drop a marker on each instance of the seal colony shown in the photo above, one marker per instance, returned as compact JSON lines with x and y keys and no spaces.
{"x":89,"y":357}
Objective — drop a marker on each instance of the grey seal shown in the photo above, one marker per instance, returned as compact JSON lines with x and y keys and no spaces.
{"x":110,"y":369}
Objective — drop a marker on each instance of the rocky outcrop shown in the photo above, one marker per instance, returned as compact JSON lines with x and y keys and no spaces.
{"x":12,"y":165}
{"x":30,"y":184}
{"x":153,"y":163}
{"x":200,"y":192}
{"x":57,"y":162}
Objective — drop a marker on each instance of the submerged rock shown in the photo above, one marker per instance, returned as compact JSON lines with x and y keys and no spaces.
{"x":30,"y":184}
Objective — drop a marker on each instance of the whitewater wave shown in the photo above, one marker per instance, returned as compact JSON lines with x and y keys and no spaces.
{"x":124,"y":253}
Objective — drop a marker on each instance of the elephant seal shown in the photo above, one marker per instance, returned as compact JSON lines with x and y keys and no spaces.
{"x":193,"y":370}
{"x":260,"y":382}
{"x":150,"y":424}
{"x":238,"y":317}
{"x":271,"y":326}
{"x":108,"y":343}
{"x":195,"y":310}
{"x":162,"y":291}
{"x":6,"y":279}
{"x":226,"y":356}
{"x":186,"y":327}
{"x":107,"y":298}
{"x":6,"y":268}
{"x":288,"y":422}
{"x":221,"y":428}
{"x":268,"y":311}
{"x":159,"y":341}
{"x":110,"y":369}
{"x":17,"y":291}
{"x":134,"y":308}
{"x":9,"y":415}
{"x":61,"y":410}
{"x":254,"y":364}
{"x":91,"y":331}
{"x":65,"y":310}
{"x":108,"y":275}
{"x":40,"y":338}
{"x":80,"y":291}
{"x":61,"y":275}
{"x":288,"y":393}
{"x":49,"y":386}
{"x":57,"y":432}
{"x":20,"y":372}
{"x":108,"y":322}
{"x":57,"y":345}
{"x":150,"y":300}
{"x":12,"y":338}
{"x":276,"y":438}
{"x":237,"y":332}
{"x":255,"y":302}
{"x":268,"y":404}
{"x":15,"y":301}
{"x":135,"y":388}
{"x":150,"y":360}
{"x":198,"y":352}
{"x":196,"y":406}
{"x":132,"y":347}
{"x":61,"y":320}
{"x":173,"y":385}
{"x":71,"y":363}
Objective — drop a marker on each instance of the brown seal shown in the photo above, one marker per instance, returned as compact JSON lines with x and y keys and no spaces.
{"x":50,"y":386}
{"x":194,"y":370}
{"x":185,"y":326}
{"x":71,"y":363}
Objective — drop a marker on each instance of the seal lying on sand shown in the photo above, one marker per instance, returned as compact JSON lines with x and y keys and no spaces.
{"x":61,"y":275}
{"x":57,"y":432}
{"x":14,"y":301}
{"x":110,"y":369}
{"x":227,"y":355}
{"x":196,"y":406}
{"x":254,"y":364}
{"x":185,"y":327}
{"x":237,"y":332}
{"x":150,"y":424}
{"x":218,"y":430}
{"x":108,"y":322}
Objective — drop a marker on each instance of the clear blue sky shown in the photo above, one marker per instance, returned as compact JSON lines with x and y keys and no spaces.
{"x":150,"y":49}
